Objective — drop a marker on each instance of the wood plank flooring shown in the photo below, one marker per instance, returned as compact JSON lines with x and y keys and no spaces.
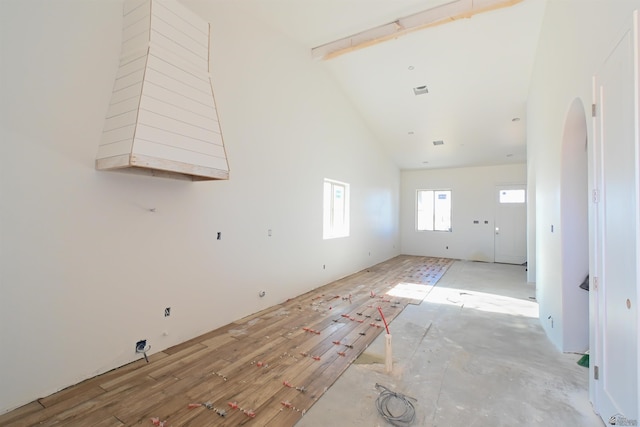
{"x":267,"y":369}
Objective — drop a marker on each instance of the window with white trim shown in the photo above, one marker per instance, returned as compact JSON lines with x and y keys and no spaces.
{"x":335,"y":209}
{"x":433,"y":210}
{"x":513,"y":196}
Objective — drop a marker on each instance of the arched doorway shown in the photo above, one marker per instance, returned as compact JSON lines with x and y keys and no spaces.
{"x":574,"y":206}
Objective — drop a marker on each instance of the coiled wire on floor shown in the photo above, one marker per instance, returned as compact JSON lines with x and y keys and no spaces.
{"x":394,"y":407}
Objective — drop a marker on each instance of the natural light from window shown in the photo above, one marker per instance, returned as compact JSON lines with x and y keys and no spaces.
{"x":410,"y":290}
{"x":465,"y":299}
{"x":512,"y":196}
{"x":433,"y":210}
{"x":483,"y":301}
{"x":335,"y":209}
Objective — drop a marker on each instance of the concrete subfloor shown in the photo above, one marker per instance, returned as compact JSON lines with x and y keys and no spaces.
{"x":473,"y":354}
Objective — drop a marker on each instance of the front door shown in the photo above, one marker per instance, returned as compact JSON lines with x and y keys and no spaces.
{"x":510,"y":237}
{"x":614,"y":296}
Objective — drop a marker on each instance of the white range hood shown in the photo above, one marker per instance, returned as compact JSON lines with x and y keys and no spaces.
{"x":162,"y":119}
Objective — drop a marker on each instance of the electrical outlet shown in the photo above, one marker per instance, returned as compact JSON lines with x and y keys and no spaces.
{"x":141,"y":347}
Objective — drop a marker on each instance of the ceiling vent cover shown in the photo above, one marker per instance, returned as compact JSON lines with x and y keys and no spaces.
{"x":420,"y":90}
{"x":438,"y":142}
{"x":162,"y":119}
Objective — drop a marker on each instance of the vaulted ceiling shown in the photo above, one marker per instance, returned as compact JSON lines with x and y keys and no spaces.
{"x":476,"y":68}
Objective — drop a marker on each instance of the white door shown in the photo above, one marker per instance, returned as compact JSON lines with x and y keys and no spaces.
{"x":616,"y":218}
{"x":510,"y":238}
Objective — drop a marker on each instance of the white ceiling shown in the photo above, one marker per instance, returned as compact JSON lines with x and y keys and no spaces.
{"x":477,"y":71}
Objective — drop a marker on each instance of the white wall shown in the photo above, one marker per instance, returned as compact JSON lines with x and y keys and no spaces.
{"x":86,"y":268}
{"x":531,"y":222}
{"x":575,"y":39}
{"x":473,"y":198}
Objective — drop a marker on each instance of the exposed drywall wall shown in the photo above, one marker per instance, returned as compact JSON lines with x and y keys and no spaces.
{"x":89,"y":259}
{"x":473,"y":198}
{"x":575,"y":39}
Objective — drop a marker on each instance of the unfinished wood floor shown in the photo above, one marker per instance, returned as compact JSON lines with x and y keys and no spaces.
{"x":274,"y":365}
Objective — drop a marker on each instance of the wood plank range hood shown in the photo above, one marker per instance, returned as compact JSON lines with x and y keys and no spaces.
{"x":162,"y":119}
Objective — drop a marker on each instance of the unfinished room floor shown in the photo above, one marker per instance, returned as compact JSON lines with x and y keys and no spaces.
{"x":472,"y":354}
{"x":268,"y":368}
{"x":470,"y":350}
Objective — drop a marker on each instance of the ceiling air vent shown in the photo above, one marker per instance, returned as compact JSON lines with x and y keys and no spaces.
{"x":438,"y":142}
{"x":420,"y":90}
{"x":162,"y":119}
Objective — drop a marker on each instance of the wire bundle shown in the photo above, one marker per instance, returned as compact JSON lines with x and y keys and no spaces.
{"x":389,"y":402}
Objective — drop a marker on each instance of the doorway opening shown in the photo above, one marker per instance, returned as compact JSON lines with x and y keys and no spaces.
{"x":510,"y":238}
{"x":574,"y":208}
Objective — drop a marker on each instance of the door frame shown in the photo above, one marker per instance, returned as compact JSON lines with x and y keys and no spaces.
{"x":598,"y":236}
{"x":497,"y":206}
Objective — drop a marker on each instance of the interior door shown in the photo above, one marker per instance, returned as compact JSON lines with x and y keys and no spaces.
{"x":616,"y":257}
{"x":510,"y":238}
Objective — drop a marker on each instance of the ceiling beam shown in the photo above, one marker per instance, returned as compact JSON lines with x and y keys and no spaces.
{"x":449,"y":12}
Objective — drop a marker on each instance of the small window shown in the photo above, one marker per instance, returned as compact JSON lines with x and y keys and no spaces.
{"x":512,"y":196}
{"x":433,"y":210}
{"x":335,"y":209}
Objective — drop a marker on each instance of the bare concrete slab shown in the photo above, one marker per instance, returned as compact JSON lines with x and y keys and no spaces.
{"x":472,"y":354}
